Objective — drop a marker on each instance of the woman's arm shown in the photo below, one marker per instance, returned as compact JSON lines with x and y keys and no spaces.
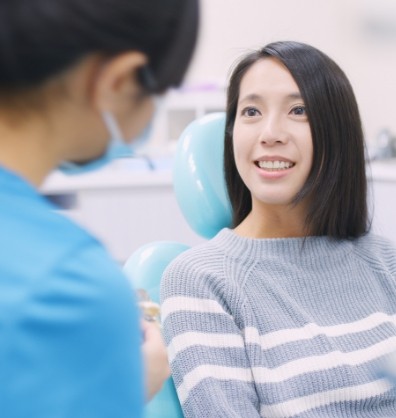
{"x":206,"y":348}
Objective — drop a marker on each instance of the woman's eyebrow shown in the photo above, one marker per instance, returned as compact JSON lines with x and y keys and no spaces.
{"x":296,"y":95}
{"x":253,"y":97}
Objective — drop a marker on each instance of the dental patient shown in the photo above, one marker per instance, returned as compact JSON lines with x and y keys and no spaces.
{"x":290,"y":312}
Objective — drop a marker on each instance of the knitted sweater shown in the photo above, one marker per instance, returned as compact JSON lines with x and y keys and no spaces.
{"x":281,"y":327}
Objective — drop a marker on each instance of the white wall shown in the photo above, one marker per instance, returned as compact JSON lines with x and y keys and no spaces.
{"x":338,"y":27}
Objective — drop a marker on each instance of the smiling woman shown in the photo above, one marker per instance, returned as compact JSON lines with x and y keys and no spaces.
{"x":272,"y":145}
{"x":291,"y":312}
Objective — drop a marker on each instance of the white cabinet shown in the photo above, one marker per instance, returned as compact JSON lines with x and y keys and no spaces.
{"x":124,"y":209}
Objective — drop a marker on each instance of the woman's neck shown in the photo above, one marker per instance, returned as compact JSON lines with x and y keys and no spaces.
{"x":274,"y":222}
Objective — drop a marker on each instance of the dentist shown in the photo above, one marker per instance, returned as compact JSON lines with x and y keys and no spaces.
{"x":77,"y":80}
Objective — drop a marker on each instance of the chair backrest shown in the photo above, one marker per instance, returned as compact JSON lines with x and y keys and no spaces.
{"x":198,"y":177}
{"x":201,"y":195}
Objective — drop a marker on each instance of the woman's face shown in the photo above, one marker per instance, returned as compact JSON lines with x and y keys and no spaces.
{"x":272,"y":137}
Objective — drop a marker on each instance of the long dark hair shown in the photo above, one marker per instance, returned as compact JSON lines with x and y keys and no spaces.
{"x":336,"y":185}
{"x":41,"y":38}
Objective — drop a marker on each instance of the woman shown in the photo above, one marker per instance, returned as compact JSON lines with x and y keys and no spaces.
{"x":292,"y":311}
{"x":76,"y":78}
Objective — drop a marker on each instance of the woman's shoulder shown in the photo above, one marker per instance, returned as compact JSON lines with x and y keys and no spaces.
{"x":373,"y":241}
{"x":197,"y":267}
{"x":199,"y":256}
{"x":376,"y":250}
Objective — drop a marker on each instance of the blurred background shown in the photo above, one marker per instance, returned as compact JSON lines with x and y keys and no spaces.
{"x":360,"y":35}
{"x":131,"y":202}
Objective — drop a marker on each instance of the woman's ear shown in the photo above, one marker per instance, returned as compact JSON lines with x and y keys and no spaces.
{"x":117,"y":79}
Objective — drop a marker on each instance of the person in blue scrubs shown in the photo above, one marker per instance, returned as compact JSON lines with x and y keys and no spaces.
{"x":77,"y":78}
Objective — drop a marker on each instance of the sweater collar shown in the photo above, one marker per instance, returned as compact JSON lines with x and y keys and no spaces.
{"x":292,"y":248}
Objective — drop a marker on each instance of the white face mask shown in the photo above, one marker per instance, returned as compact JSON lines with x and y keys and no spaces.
{"x":117,"y":147}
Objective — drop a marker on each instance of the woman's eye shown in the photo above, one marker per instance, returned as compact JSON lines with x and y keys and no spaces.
{"x":250,"y":111}
{"x":299,"y":111}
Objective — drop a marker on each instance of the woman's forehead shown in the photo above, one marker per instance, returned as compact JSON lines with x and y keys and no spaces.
{"x":265,"y":78}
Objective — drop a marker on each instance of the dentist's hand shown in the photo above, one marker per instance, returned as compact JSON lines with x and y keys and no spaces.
{"x":156,"y":358}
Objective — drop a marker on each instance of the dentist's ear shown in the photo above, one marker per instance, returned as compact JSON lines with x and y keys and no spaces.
{"x":117,"y":79}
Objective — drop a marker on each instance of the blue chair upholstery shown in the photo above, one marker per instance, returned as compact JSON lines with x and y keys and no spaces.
{"x":201,"y":194}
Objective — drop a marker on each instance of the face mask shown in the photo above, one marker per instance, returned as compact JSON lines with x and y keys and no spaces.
{"x":117,"y":147}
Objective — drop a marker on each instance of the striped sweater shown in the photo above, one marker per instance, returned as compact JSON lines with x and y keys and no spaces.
{"x":281,"y":327}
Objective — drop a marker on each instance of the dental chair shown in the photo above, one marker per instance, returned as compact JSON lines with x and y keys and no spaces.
{"x":200,"y":191}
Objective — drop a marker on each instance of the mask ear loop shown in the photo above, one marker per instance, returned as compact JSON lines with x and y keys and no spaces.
{"x":117,"y":147}
{"x":113,"y":127}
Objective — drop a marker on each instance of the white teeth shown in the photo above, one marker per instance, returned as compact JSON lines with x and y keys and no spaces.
{"x":275,"y":165}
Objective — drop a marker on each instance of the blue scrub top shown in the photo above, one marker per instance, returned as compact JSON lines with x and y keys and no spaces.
{"x":69,"y":328}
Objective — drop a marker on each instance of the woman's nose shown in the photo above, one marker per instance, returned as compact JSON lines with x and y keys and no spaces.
{"x":273,"y":131}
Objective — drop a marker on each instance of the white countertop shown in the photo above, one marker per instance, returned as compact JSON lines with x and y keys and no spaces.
{"x":120,"y":174}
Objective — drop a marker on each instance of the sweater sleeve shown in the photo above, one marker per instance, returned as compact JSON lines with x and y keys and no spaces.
{"x":209,"y":363}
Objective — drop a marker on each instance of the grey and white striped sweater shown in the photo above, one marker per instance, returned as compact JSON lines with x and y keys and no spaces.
{"x":281,"y":327}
